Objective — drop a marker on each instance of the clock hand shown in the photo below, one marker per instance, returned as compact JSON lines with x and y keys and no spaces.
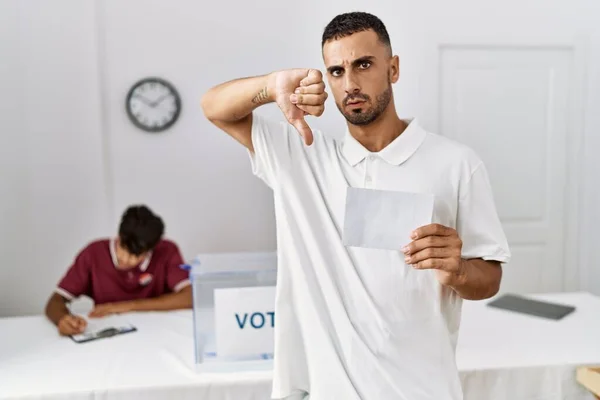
{"x":144,"y":100}
{"x":161,"y":98}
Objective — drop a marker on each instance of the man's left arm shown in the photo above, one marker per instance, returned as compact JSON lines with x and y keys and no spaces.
{"x":480,"y":279}
{"x":467,"y":259}
{"x":438,"y":247}
{"x":170,"y":301}
{"x":166,"y":302}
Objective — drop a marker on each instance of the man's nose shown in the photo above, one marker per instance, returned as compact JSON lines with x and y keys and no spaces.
{"x":351,"y":85}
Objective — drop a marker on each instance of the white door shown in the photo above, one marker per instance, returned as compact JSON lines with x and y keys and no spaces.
{"x":513,"y":91}
{"x":512,"y":105}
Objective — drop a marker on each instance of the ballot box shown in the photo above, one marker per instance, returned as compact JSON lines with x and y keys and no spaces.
{"x":234,"y":310}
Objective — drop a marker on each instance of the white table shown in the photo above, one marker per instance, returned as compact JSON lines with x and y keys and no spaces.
{"x":501,"y":355}
{"x":505,"y":355}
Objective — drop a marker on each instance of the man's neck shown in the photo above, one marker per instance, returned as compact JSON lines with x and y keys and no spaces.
{"x":380,"y":133}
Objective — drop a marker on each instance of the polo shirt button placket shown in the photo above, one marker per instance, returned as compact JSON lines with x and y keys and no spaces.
{"x":368,"y":172}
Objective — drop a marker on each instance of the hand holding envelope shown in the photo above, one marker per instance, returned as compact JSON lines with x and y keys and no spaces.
{"x":393,"y":220}
{"x":438,"y":247}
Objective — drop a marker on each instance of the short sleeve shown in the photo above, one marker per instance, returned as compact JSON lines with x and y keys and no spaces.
{"x":76,"y":281}
{"x":177,"y":278}
{"x":478,"y":224}
{"x":271,"y":143}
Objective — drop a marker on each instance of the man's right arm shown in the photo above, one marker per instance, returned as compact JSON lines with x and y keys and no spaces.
{"x":58,"y":312}
{"x":56,"y":308}
{"x":229,"y":105}
{"x":297,"y":92}
{"x":74,"y":283}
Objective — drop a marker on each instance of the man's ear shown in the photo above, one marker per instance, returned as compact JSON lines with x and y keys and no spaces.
{"x":394,"y":69}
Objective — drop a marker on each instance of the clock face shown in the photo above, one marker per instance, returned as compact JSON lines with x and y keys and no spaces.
{"x":153,"y":105}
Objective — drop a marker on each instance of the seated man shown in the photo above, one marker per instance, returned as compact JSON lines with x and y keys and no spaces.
{"x":138,"y":271}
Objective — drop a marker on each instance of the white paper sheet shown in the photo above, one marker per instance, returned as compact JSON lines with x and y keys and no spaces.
{"x":383,"y":219}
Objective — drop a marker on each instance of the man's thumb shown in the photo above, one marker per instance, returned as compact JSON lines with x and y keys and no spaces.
{"x":304,"y":130}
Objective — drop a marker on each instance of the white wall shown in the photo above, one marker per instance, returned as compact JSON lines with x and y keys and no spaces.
{"x":52,"y":178}
{"x":76,"y":162}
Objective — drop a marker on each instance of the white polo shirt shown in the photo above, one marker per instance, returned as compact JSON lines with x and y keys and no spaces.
{"x":355,"y":323}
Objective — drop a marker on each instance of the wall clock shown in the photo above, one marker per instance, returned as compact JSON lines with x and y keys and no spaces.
{"x":153,"y":104}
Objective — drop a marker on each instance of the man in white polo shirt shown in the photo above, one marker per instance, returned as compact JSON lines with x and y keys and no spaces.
{"x":353,"y":322}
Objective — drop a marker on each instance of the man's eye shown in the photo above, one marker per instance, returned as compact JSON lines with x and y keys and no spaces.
{"x":336,"y":72}
{"x":365,"y":65}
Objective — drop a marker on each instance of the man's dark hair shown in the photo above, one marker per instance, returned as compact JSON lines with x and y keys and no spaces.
{"x":140,"y":229}
{"x":353,"y":22}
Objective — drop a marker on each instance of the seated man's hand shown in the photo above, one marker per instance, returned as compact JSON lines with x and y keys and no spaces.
{"x":71,"y":325}
{"x":102,"y":310}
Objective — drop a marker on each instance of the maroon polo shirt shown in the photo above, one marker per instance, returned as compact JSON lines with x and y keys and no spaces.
{"x":94,"y":274}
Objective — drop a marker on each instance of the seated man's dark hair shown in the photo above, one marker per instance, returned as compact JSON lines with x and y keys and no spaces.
{"x":140,"y":229}
{"x":353,"y":22}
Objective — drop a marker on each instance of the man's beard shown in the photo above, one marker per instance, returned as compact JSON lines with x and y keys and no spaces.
{"x":364,"y":117}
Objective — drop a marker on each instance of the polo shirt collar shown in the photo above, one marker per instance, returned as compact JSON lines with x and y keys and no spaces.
{"x":395,"y":153}
{"x":113,"y":254}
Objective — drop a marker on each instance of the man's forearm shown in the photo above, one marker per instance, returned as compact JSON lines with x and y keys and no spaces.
{"x":56,"y":308}
{"x":170,"y":301}
{"x":234,"y":100}
{"x":478,"y":280}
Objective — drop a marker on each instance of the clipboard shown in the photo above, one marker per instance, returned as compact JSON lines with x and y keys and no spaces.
{"x":104,"y":331}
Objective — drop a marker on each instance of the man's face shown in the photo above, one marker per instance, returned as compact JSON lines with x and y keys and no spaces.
{"x":125,"y":259}
{"x":360,"y":73}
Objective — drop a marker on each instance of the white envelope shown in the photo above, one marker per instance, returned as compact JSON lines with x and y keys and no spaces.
{"x":384,"y":219}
